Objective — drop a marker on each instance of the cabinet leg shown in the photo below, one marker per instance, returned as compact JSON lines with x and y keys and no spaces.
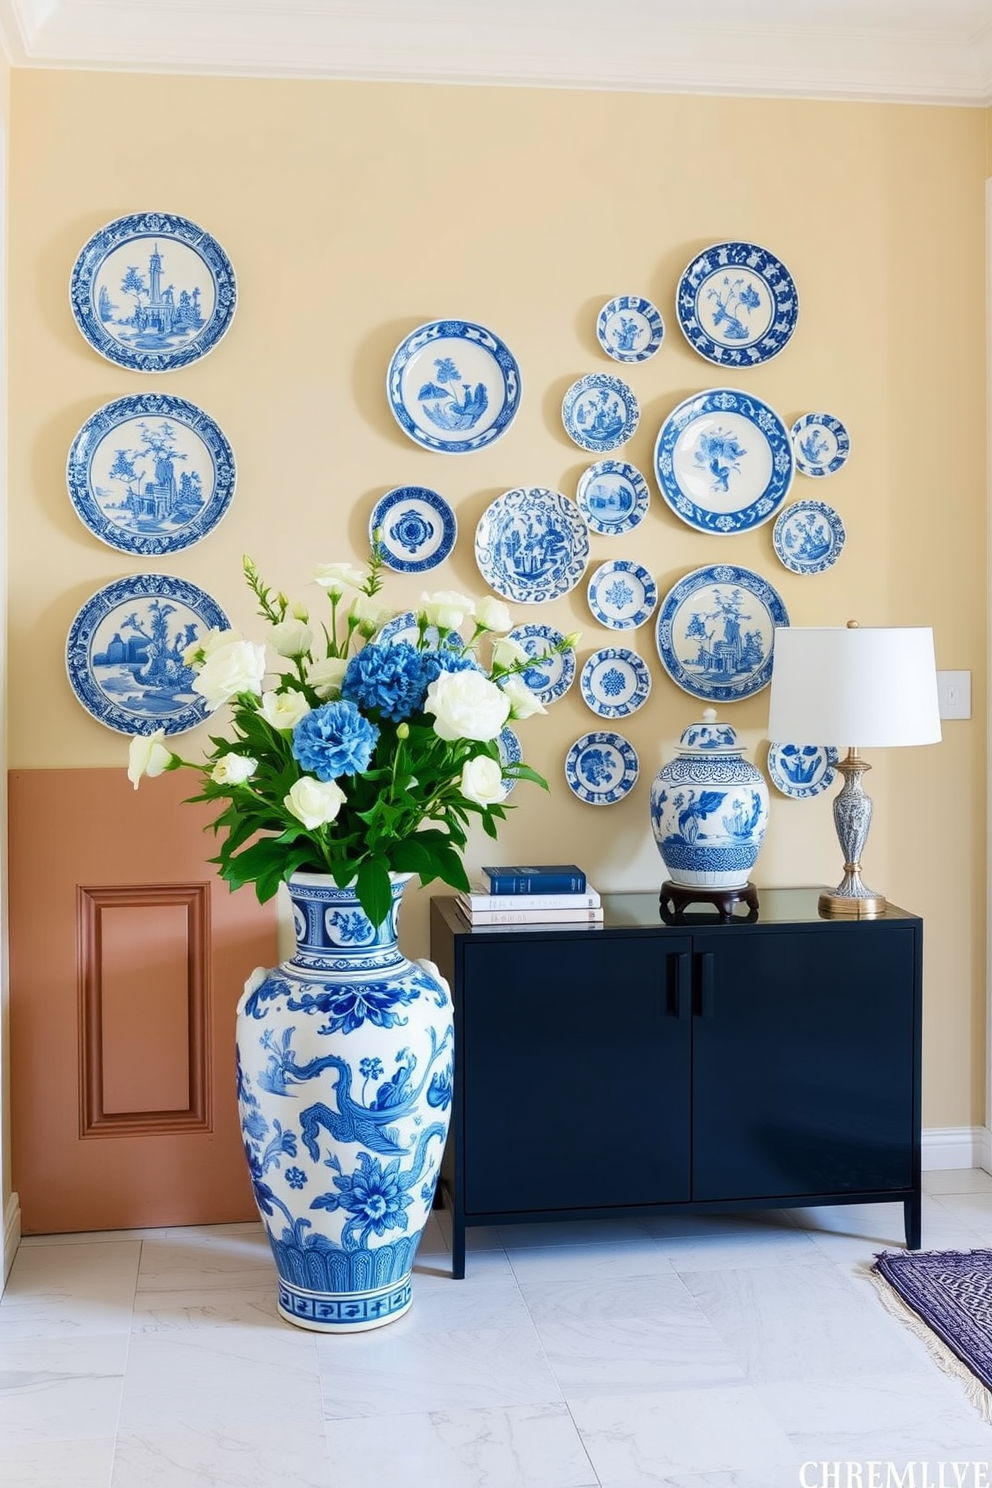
{"x":457,"y":1249}
{"x":914,"y":1221}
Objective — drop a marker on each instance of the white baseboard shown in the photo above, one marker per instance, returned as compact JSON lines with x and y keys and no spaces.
{"x":11,"y":1237}
{"x":957,"y":1147}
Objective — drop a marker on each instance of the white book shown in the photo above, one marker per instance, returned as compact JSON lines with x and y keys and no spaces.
{"x":478,"y":899}
{"x":515,"y":916}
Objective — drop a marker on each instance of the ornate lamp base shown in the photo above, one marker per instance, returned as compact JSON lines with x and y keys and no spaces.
{"x":675,"y":899}
{"x":852,"y":818}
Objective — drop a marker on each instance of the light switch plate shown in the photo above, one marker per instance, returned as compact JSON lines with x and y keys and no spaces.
{"x":954,"y":694}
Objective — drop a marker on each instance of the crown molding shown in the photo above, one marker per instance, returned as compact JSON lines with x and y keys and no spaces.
{"x":844,"y":52}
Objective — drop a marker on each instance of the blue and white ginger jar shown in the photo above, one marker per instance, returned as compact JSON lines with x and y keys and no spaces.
{"x":709,"y":809}
{"x":344,"y":1088}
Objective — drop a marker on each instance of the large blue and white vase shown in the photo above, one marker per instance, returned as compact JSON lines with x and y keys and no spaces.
{"x":709,"y":809}
{"x":344,"y":1087}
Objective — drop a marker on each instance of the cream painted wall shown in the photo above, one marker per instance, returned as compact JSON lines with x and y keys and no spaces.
{"x":355,"y":212}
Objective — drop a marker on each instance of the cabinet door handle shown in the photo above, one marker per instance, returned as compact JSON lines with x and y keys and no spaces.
{"x":683,"y":987}
{"x":707,"y":986}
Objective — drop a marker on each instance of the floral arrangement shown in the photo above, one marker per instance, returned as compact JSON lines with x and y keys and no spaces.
{"x":357,"y":757}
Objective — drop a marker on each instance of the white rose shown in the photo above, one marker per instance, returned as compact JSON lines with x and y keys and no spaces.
{"x":147,"y":755}
{"x":197,"y":652}
{"x":238,"y":666}
{"x":283,"y":710}
{"x":292,"y":638}
{"x":337,"y":577}
{"x":325,"y":676}
{"x":233,"y":769}
{"x":370,"y":612}
{"x":446,"y":609}
{"x":314,"y":802}
{"x":482,"y":781}
{"x":493,"y":614}
{"x":523,"y":703}
{"x":507,"y":653}
{"x":466,"y":705}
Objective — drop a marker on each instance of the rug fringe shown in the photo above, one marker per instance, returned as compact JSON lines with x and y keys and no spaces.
{"x":975,"y":1392}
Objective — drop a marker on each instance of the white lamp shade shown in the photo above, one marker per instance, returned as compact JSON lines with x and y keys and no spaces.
{"x":856,"y":688}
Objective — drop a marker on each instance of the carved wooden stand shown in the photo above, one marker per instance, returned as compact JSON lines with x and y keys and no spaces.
{"x":675,"y":898}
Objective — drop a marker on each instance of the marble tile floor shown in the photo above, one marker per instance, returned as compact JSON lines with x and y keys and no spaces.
{"x":710,"y":1352}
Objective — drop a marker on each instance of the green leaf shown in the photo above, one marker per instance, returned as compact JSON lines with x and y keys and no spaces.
{"x":374,"y":890}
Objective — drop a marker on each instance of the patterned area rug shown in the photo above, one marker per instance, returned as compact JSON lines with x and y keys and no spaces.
{"x":946,"y":1297}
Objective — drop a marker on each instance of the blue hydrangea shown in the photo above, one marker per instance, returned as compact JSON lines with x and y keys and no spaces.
{"x":334,"y":740}
{"x":433,"y":663}
{"x":388,"y":679}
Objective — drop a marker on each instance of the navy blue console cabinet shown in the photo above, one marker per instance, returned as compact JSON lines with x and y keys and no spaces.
{"x":645,"y":1067}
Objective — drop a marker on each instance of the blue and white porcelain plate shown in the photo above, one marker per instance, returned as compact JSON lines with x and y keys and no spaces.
{"x":150,"y":474}
{"x":510,"y":753}
{"x":124,"y":654}
{"x":417,"y":528}
{"x":153,"y":291}
{"x":614,"y":682}
{"x":737,"y":304}
{"x":601,"y":768}
{"x":531,"y":544}
{"x":599,"y":412}
{"x":808,"y":537}
{"x":723,"y":460}
{"x":612,"y":496}
{"x":801,"y":770}
{"x":553,"y":672}
{"x":630,"y":329}
{"x":404,"y":627}
{"x":821,"y":444}
{"x":622,"y":594}
{"x":715,"y":632}
{"x":453,"y":386}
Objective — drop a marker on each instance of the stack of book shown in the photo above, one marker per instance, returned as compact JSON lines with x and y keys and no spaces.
{"x":552,"y":893}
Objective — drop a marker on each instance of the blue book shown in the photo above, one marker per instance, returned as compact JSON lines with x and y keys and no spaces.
{"x":543,"y":878}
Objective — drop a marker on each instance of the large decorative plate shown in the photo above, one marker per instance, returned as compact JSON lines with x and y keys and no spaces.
{"x":723,"y":460}
{"x":125,"y":650}
{"x":150,"y":474}
{"x":808,"y":537}
{"x":404,"y":627}
{"x":821,"y":444}
{"x":801,"y":770}
{"x":152,"y":292}
{"x":715,"y":632}
{"x":531,"y":544}
{"x":622,"y":594}
{"x":601,"y":768}
{"x":614,"y":682}
{"x":510,"y":753}
{"x":612,"y":496}
{"x":453,"y":386}
{"x":630,"y":328}
{"x":416,"y":526}
{"x":599,"y":412}
{"x":553,"y":671}
{"x":737,"y":304}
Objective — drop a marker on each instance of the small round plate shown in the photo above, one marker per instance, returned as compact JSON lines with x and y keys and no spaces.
{"x":737,"y":304}
{"x":417,"y":528}
{"x":404,"y":627}
{"x":715,"y":632}
{"x":723,"y":461}
{"x":453,"y":386}
{"x":599,"y":412}
{"x":612,"y":496}
{"x":124,"y":654}
{"x":622,"y":594}
{"x":152,"y":292}
{"x":554,"y":671}
{"x":614,"y":682}
{"x":801,"y":770}
{"x":531,"y":545}
{"x":510,"y":753}
{"x":821,"y":444}
{"x":630,"y":328}
{"x":150,"y":474}
{"x":808,"y":537}
{"x":601,"y":768}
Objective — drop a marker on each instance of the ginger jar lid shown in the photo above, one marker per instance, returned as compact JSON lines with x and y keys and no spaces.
{"x":707,"y":737}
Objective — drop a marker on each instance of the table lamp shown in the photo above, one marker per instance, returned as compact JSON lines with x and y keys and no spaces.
{"x":863,"y":687}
